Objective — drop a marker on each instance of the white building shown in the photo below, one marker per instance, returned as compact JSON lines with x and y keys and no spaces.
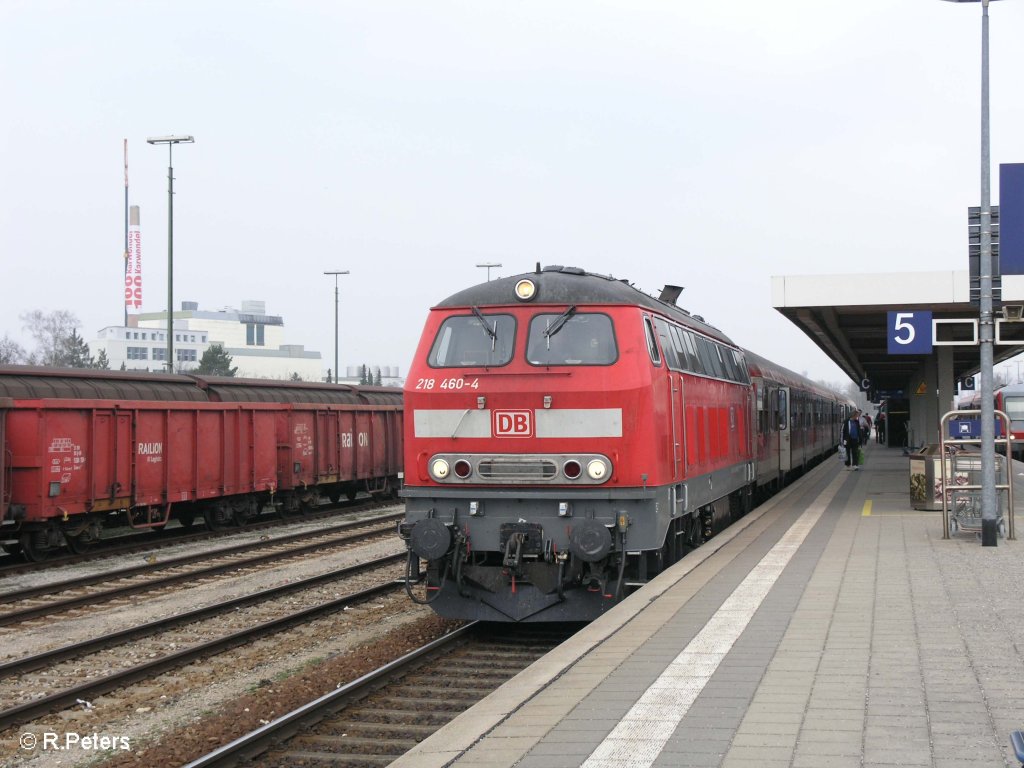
{"x":253,"y":339}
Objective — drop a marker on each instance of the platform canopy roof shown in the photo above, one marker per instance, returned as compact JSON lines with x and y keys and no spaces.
{"x":847,"y":316}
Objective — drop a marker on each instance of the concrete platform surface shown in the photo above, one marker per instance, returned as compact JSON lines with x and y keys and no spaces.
{"x":833,"y":627}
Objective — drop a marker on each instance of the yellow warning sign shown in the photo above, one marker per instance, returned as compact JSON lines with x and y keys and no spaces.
{"x":922,"y":389}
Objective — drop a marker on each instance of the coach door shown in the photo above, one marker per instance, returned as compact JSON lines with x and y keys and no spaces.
{"x":785,"y":431}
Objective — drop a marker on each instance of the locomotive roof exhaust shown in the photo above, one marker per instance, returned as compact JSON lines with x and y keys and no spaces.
{"x":670,"y":294}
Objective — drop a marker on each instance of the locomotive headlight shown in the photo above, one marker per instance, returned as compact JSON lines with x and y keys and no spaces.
{"x":598,"y":469}
{"x":526,"y":289}
{"x":439,"y":469}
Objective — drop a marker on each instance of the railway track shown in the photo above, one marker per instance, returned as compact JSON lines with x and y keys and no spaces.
{"x":377,"y":718}
{"x":13,"y":565}
{"x":24,"y":675}
{"x":232,"y":559}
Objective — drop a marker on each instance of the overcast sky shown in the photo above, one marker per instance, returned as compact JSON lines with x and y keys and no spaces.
{"x":706,"y":144}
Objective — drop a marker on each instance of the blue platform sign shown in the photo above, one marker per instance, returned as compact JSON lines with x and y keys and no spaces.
{"x":1011,"y":218}
{"x":910,"y":333}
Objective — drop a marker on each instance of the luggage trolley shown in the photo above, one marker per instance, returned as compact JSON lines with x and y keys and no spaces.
{"x":962,"y":483}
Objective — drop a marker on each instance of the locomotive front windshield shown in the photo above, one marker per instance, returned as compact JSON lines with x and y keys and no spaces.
{"x":477,"y":339}
{"x":571,"y":338}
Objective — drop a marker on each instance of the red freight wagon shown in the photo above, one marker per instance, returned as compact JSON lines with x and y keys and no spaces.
{"x":76,"y":456}
{"x":349,"y":449}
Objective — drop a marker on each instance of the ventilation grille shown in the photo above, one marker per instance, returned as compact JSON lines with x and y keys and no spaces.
{"x":517,"y":469}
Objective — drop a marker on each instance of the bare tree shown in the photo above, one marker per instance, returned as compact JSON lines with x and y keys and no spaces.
{"x":51,"y":331}
{"x":11,"y":352}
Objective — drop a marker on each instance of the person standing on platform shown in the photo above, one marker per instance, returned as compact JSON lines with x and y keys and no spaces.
{"x":865,"y":428}
{"x":880,"y":427}
{"x":851,"y":439}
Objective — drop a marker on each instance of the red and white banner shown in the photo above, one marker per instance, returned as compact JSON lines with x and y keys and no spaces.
{"x":133,"y":267}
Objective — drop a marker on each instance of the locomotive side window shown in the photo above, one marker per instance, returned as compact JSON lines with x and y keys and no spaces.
{"x":741,"y":366}
{"x":571,"y":338}
{"x":473,"y":340}
{"x":677,"y":344}
{"x":675,"y":361}
{"x":708,"y":358}
{"x":680,"y":347}
{"x":652,"y":346}
{"x":691,"y":351}
{"x":728,"y":365}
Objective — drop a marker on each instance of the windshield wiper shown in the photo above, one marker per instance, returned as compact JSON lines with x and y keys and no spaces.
{"x":559,"y":323}
{"x":492,"y":332}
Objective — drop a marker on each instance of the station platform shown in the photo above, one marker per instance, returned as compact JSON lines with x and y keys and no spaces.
{"x":832,"y":627}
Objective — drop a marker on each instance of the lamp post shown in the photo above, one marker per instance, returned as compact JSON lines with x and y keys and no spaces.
{"x":342,"y":272}
{"x":986,"y":326}
{"x":170,"y":141}
{"x":489,"y":265}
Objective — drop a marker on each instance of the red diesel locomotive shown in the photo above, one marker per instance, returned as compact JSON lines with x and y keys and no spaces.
{"x":83,"y":450}
{"x":568,"y":436}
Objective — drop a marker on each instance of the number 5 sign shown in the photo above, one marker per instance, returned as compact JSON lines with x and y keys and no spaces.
{"x":910,"y":333}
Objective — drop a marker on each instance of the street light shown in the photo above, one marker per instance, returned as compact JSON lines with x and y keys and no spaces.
{"x":342,"y":272}
{"x":170,"y":141}
{"x":986,"y":330}
{"x":489,"y":265}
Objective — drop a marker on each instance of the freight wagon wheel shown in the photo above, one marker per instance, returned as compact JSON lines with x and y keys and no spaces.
{"x":14,"y":548}
{"x":84,"y":540}
{"x":289,"y":507}
{"x":80,"y":544}
{"x":217,"y":517}
{"x":35,"y":546}
{"x":242,"y":510}
{"x":185,"y":520}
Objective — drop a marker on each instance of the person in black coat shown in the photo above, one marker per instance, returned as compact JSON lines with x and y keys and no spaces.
{"x":851,"y":439}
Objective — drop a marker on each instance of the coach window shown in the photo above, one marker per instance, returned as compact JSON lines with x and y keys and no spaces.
{"x":1013,"y":406}
{"x":571,"y":338}
{"x":473,"y":340}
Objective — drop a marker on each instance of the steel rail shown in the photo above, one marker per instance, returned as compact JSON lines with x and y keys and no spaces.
{"x":35,"y":612}
{"x":139,"y":542}
{"x":85,"y":581}
{"x":251,"y":744}
{"x":36,"y":661}
{"x":25,"y":712}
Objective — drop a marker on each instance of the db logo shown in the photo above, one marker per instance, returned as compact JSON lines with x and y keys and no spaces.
{"x":512,"y":423}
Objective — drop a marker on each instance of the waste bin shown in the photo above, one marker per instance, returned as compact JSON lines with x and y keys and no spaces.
{"x":926,"y":478}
